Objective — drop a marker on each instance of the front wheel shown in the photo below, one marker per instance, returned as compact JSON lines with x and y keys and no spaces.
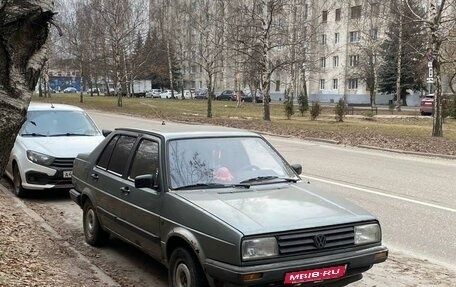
{"x":93,"y":232}
{"x":185,"y":270}
{"x":19,"y":191}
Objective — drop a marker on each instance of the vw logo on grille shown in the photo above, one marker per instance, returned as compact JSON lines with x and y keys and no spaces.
{"x":319,"y":241}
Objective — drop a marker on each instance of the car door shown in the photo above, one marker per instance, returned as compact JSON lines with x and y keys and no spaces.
{"x":106,"y":178}
{"x":144,"y":203}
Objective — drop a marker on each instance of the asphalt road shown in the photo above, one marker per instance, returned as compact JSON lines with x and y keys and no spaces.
{"x":413,"y":197}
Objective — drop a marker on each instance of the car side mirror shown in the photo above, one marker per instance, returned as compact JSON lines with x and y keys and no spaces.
{"x":106,"y":132}
{"x":297,"y":168}
{"x":146,"y":180}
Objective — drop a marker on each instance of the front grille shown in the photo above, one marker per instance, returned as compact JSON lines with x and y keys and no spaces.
{"x":63,"y":163}
{"x":303,"y":242}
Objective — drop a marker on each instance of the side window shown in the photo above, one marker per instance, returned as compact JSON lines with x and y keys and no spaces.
{"x":145,"y":160}
{"x":106,"y":154}
{"x":120,"y":154}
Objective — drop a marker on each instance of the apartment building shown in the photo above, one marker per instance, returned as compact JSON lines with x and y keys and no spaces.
{"x":345,"y":30}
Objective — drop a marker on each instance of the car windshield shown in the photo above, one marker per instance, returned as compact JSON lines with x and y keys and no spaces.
{"x":225,"y":162}
{"x":58,"y":123}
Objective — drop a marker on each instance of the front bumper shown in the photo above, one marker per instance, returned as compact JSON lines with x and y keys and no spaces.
{"x":38,"y":177}
{"x":274,"y":273}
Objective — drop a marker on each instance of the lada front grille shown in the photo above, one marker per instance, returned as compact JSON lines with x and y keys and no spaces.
{"x":311,"y":241}
{"x":63,"y":163}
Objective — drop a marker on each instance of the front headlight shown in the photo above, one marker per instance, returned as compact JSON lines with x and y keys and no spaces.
{"x":365,"y":234}
{"x":259,"y":248}
{"x":40,"y":158}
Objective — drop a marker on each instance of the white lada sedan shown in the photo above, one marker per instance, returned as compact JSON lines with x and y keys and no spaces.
{"x":46,"y":145}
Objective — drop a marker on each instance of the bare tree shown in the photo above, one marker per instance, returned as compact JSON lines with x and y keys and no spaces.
{"x":24,"y":30}
{"x":119,"y":21}
{"x":209,"y":44}
{"x":441,"y":24}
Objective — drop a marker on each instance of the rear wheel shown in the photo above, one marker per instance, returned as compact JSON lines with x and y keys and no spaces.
{"x":185,"y":270}
{"x":19,"y":191}
{"x":94,"y":234}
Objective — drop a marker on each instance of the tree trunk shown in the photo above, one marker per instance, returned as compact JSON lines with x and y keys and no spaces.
{"x":170,"y":67}
{"x":437,"y":126}
{"x":24,"y":31}
{"x":399,"y":62}
{"x":209,"y":96}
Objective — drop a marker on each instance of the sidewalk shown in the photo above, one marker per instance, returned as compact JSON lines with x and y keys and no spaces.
{"x":33,"y":254}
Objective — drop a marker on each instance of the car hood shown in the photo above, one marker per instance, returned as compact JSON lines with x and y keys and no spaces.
{"x":276,"y":207}
{"x":61,"y":146}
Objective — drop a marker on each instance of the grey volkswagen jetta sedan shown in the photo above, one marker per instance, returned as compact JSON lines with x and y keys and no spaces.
{"x":221,"y":207}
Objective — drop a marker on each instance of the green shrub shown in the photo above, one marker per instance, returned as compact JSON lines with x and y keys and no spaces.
{"x":391,"y":107}
{"x":315,"y":110}
{"x":340,"y":110}
{"x":452,"y":107}
{"x":288,"y":105}
{"x":303,"y":102}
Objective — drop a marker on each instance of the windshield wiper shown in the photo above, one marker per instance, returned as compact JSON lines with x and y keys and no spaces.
{"x":33,"y":135}
{"x":68,"y":134}
{"x":211,"y":185}
{"x":268,"y":177}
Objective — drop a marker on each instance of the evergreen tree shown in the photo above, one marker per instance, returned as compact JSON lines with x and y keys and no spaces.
{"x":413,"y":67}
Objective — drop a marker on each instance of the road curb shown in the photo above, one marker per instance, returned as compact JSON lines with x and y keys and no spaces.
{"x":408,"y":152}
{"x":105,"y":278}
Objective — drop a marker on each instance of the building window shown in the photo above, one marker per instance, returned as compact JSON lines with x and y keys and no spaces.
{"x":323,"y":39}
{"x":323,"y":62}
{"x":354,"y":36}
{"x":353,"y":84}
{"x":337,"y":15}
{"x":324,"y":17}
{"x":375,"y":9}
{"x":335,"y":61}
{"x":374,"y":33}
{"x":354,"y":60}
{"x":277,"y":86}
{"x":201,"y":84}
{"x":322,"y":84}
{"x":335,"y":84}
{"x":355,"y":12}
{"x":336,"y":38}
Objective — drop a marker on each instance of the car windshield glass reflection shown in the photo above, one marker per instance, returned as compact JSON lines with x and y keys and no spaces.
{"x":228,"y":162}
{"x":58,"y":123}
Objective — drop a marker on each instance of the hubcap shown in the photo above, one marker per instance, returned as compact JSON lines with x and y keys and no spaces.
{"x":182,"y":276}
{"x":90,"y":222}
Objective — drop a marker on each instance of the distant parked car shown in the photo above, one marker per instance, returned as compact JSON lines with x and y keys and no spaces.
{"x":200,"y":94}
{"x":226,"y":95}
{"x":93,"y":91}
{"x":154,"y":93}
{"x":427,"y":105}
{"x":46,"y":145}
{"x":70,"y":90}
{"x":166,"y":94}
{"x":220,"y":207}
{"x":248,"y":97}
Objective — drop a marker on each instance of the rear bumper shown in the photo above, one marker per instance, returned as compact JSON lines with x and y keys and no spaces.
{"x":274,"y":273}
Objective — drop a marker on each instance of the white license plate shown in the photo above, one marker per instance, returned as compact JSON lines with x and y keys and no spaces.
{"x":67,"y":173}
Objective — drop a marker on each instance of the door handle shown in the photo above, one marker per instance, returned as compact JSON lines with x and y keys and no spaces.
{"x":125,"y":190}
{"x":94,"y":176}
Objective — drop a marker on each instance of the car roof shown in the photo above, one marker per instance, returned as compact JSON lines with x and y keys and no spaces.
{"x":50,"y":106}
{"x":180,"y":131}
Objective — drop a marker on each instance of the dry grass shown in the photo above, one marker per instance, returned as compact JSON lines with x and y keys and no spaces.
{"x":196,"y":110}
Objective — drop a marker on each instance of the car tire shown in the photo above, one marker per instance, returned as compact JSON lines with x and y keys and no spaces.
{"x":19,"y":191}
{"x":93,"y":232}
{"x":185,"y":270}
